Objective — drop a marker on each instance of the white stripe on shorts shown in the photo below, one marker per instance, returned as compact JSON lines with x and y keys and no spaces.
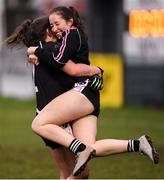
{"x":79,"y":86}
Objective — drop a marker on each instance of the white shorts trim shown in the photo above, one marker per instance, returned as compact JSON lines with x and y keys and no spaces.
{"x":67,"y":128}
{"x":79,"y":86}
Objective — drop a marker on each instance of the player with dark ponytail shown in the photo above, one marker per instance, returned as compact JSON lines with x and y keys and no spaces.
{"x":50,"y":82}
{"x":65,"y":23}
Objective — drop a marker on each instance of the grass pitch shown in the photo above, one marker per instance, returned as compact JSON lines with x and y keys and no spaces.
{"x":23,"y":154}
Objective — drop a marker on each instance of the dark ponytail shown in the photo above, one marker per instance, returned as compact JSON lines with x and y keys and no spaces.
{"x":30,"y":32}
{"x":20,"y":34}
{"x":77,"y":19}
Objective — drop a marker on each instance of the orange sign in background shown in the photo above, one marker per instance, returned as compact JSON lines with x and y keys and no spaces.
{"x":144,"y":23}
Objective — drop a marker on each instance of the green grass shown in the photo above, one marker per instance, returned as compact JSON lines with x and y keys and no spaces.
{"x":23,"y":154}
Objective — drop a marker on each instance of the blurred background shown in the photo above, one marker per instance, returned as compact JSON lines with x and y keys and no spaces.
{"x":126,"y":39}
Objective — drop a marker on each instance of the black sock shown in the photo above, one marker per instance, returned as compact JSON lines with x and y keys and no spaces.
{"x":76,"y":146}
{"x":133,"y":146}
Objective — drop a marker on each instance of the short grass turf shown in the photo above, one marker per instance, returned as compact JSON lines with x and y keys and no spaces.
{"x":23,"y":154}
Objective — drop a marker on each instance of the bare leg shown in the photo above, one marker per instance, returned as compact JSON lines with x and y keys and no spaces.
{"x":64,"y":160}
{"x":85,"y":130}
{"x":110,"y":146}
{"x":88,"y":127}
{"x":66,"y":107}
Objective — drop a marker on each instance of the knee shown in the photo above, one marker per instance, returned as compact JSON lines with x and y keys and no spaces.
{"x":35,"y":125}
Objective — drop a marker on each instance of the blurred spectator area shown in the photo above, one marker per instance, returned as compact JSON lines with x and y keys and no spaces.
{"x":16,"y":11}
{"x":19,"y":10}
{"x":104,"y":22}
{"x":110,"y":33}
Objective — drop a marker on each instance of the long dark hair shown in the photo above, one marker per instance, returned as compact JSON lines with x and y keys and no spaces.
{"x":30,"y":32}
{"x":68,"y":13}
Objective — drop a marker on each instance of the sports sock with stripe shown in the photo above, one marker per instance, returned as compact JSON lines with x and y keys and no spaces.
{"x":133,"y":146}
{"x":76,"y":146}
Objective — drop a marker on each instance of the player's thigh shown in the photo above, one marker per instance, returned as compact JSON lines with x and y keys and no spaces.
{"x":85,"y":129}
{"x":66,"y":107}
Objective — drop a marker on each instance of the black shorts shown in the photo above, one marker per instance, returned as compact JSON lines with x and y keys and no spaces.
{"x":48,"y":88}
{"x":93,"y":96}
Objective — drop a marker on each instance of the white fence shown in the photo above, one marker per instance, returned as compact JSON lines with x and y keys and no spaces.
{"x":15,"y":74}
